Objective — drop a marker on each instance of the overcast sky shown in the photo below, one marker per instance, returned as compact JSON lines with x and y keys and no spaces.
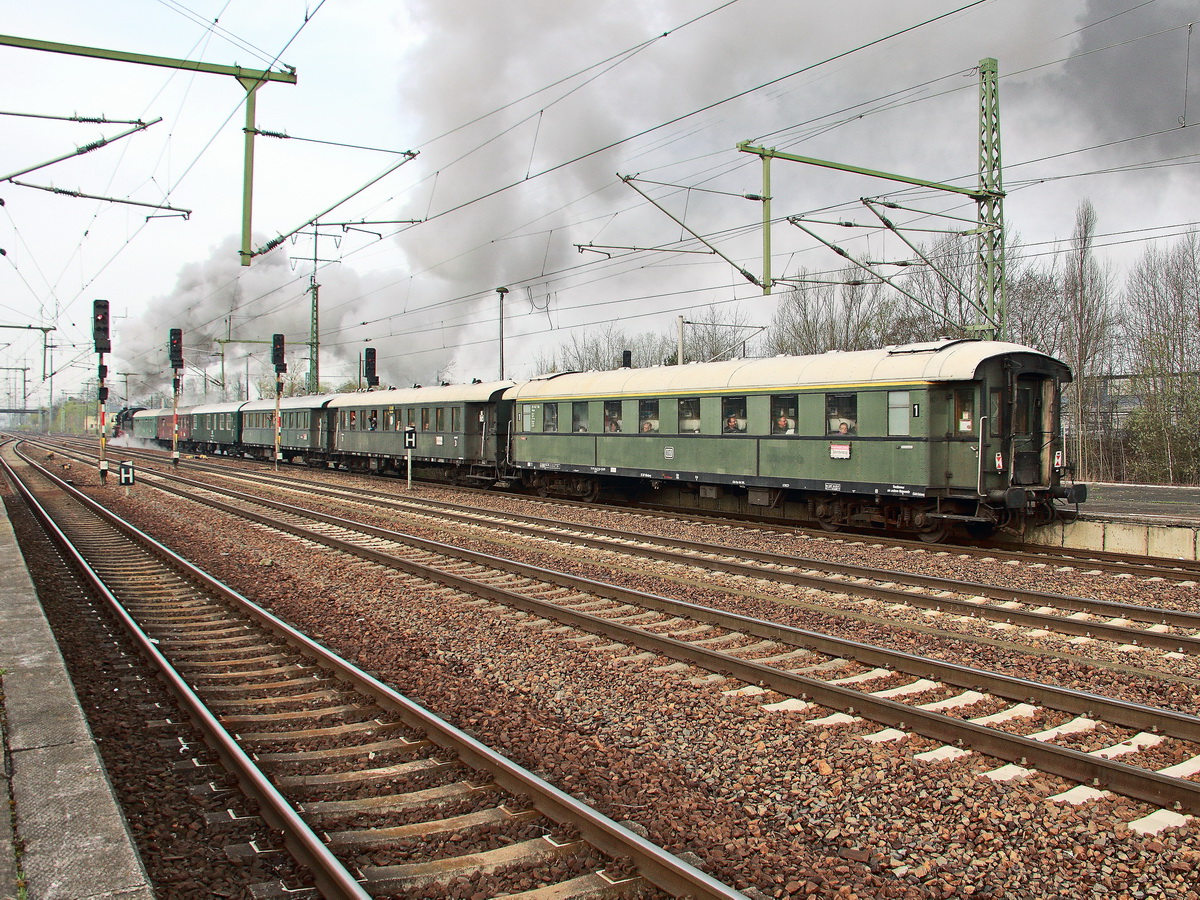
{"x":524,"y":115}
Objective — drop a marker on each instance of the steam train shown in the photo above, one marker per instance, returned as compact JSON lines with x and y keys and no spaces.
{"x":918,"y":439}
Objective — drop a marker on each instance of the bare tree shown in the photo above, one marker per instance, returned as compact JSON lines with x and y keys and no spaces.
{"x":1162,"y":331}
{"x":602,"y":348}
{"x":716,"y":335}
{"x":1034,"y":316}
{"x":853,"y":314}
{"x":1090,"y":317}
{"x":944,"y":290}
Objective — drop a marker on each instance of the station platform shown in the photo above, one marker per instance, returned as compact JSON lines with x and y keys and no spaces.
{"x":1154,"y":520}
{"x":67,"y":837}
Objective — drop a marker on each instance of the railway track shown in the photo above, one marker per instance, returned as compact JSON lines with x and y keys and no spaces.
{"x":1109,"y":562}
{"x":1128,"y":625}
{"x":365,"y":786}
{"x":824,"y":679}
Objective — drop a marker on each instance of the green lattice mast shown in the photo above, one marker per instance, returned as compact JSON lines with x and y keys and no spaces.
{"x":990,"y":205}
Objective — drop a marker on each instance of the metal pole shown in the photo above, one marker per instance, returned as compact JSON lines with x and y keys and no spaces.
{"x":501,"y":291}
{"x":766,"y":206}
{"x":251,"y":86}
{"x":278,"y":395}
{"x":175,"y":421}
{"x":314,"y":326}
{"x":679,"y":344}
{"x":100,"y":394}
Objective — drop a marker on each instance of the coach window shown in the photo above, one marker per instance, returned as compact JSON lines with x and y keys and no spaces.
{"x":353,"y":425}
{"x":1023,"y":418}
{"x":439,"y":419}
{"x":841,"y":413}
{"x":424,"y":418}
{"x":648,"y":416}
{"x":579,"y":416}
{"x":964,"y":411}
{"x":689,"y":416}
{"x":898,"y":413}
{"x":550,"y":417}
{"x":783,"y":414}
{"x":733,"y":415}
{"x":372,"y":420}
{"x":612,"y":416}
{"x":455,"y":419}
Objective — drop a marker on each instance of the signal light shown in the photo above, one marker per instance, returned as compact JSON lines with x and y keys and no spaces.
{"x":175,"y":348}
{"x":277,"y":353}
{"x":100,"y":326}
{"x":369,"y":367}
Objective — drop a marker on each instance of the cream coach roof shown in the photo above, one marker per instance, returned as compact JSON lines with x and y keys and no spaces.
{"x":312,"y":401}
{"x":445,"y":394}
{"x":227,"y":407}
{"x":909,"y":364}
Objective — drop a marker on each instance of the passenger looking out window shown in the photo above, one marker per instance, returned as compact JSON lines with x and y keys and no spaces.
{"x":783,"y":414}
{"x":841,"y":413}
{"x":612,"y":416}
{"x":733,"y":412}
{"x":648,"y":416}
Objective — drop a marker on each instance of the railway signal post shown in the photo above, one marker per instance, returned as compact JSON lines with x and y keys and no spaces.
{"x":410,"y":441}
{"x":369,"y":368}
{"x":277,"y":357}
{"x":103,"y":343}
{"x":175,"y":351}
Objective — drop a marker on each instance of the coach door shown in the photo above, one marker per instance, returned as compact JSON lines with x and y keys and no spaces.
{"x":1031,"y":430}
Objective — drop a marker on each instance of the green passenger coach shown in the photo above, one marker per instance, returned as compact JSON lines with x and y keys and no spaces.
{"x":455,"y":431}
{"x":917,"y":437}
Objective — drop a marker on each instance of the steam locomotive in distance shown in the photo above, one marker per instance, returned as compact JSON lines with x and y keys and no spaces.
{"x":916,"y":439}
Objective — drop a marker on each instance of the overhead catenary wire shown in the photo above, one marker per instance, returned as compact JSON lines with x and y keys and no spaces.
{"x":465,"y":298}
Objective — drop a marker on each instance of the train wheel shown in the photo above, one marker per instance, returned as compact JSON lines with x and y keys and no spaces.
{"x":829,"y":525}
{"x":934,"y":535}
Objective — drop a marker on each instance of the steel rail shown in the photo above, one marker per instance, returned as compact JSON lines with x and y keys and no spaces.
{"x":1104,"y":560}
{"x":1093,"y":629}
{"x":1142,"y":784}
{"x":1150,"y":614}
{"x":330,"y":875}
{"x":663,"y":869}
